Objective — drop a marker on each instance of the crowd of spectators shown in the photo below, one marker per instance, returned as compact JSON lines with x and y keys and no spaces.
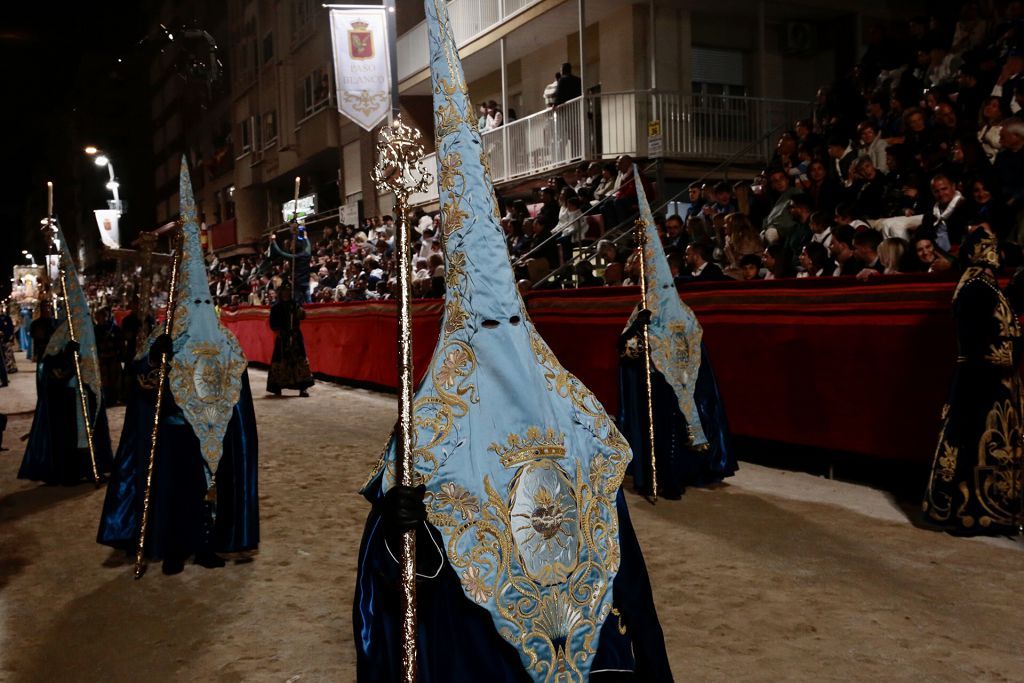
{"x":921,"y":144}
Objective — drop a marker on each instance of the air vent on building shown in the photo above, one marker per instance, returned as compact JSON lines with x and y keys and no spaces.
{"x":798,"y":37}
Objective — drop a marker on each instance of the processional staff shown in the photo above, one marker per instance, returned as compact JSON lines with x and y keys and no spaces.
{"x":172,"y":301}
{"x":72,"y":333}
{"x":295,"y":245}
{"x":400,"y":170}
{"x":641,"y":240}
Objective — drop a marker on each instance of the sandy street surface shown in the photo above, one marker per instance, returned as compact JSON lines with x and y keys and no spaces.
{"x":774,"y":576}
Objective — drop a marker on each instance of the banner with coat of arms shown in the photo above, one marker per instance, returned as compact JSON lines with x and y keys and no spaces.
{"x":362,"y":68}
{"x":107,"y":221}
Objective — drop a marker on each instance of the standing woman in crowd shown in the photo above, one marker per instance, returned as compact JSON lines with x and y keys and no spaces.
{"x":289,"y":368}
{"x":975,"y":486}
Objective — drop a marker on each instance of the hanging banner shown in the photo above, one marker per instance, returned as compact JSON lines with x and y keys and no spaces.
{"x":348,"y":214}
{"x":362,"y":68}
{"x":106,"y":220}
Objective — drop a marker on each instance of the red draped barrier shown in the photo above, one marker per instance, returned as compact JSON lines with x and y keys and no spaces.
{"x":829,"y":363}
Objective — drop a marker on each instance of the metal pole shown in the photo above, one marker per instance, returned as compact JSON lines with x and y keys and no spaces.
{"x":399,"y":169}
{"x":504,"y":109}
{"x":154,"y":435}
{"x":641,"y":239}
{"x":393,"y":56}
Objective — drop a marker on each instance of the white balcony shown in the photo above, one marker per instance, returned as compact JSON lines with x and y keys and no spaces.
{"x":469,"y":19}
{"x":694,"y":127}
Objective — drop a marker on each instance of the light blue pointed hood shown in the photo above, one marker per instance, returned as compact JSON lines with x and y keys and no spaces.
{"x":206,"y":371}
{"x":77,"y":306}
{"x":674,"y":332}
{"x":521,"y":463}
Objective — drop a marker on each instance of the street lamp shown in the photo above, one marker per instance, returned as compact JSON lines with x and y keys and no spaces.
{"x":101,"y":159}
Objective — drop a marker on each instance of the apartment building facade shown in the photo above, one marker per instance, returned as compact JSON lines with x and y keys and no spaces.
{"x":713,"y":75}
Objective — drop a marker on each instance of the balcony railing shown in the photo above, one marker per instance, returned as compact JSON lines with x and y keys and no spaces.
{"x":469,"y":19}
{"x":692,"y":126}
{"x":696,"y":127}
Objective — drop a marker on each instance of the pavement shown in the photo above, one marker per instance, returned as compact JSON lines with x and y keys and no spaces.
{"x":774,"y":575}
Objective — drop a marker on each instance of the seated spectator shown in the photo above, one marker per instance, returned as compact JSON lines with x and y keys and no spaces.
{"x":721,"y":204}
{"x":865,"y":248}
{"x":846,"y":214}
{"x":990,"y":123}
{"x":821,"y":228}
{"x":823,"y":190}
{"x":872,"y":145}
{"x":676,"y":237}
{"x":868,"y":190}
{"x":891,"y":253}
{"x":841,"y":250}
{"x":1009,"y":170}
{"x":946,"y":224}
{"x":985,"y":212}
{"x":699,"y":265}
{"x":741,"y":240}
{"x":779,"y":223}
{"x":800,"y":235}
{"x":815,"y":262}
{"x":584,"y":272}
{"x":750,"y":267}
{"x":928,"y":258}
{"x":778,"y":261}
{"x":841,"y":157}
{"x":606,"y":188}
{"x":695,"y":193}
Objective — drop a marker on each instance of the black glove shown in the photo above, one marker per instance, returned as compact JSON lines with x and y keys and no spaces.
{"x":161,"y":345}
{"x":402,"y":509}
{"x":73,"y":347}
{"x":643,"y":317}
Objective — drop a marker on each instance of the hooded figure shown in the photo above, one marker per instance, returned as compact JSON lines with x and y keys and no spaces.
{"x":204,"y":491}
{"x":58,"y":445}
{"x":976,"y":483}
{"x":528,"y":566}
{"x":691,"y":434}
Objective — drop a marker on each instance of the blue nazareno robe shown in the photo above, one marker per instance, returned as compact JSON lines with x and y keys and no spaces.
{"x":457,"y":640}
{"x":679,"y":463}
{"x":57,"y":451}
{"x":182,"y":521}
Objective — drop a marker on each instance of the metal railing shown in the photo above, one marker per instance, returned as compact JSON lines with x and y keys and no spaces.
{"x":608,"y":125}
{"x":692,"y":126}
{"x":469,"y":18}
{"x":548,"y":139}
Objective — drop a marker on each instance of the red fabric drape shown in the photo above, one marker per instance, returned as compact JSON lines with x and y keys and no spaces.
{"x":828,"y":363}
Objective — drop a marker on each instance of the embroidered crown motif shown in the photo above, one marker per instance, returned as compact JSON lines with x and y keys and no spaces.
{"x":360,"y":25}
{"x":534,"y":445}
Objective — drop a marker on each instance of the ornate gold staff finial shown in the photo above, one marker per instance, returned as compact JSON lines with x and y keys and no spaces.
{"x":400,"y":169}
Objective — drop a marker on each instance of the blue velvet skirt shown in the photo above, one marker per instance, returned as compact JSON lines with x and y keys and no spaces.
{"x":181,"y":521}
{"x":679,"y":465}
{"x":52,"y":455}
{"x":457,"y":639}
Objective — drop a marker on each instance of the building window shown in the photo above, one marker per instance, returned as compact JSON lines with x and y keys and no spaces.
{"x":268,"y":47}
{"x":316,"y":93}
{"x":718,"y":73}
{"x":247,"y":140}
{"x":303,"y":12}
{"x":269,"y":128}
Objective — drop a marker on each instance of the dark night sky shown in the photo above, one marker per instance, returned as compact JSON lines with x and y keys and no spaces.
{"x":63,"y":89}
